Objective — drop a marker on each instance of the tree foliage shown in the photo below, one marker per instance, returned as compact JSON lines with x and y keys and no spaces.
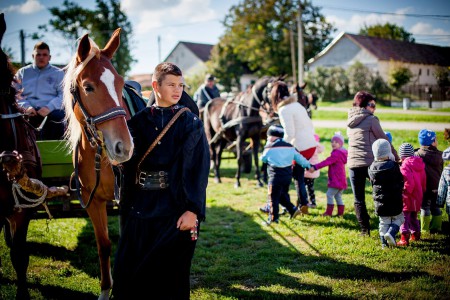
{"x":360,"y":77}
{"x":72,"y":20}
{"x":256,"y":38}
{"x":399,"y":76}
{"x":387,"y":31}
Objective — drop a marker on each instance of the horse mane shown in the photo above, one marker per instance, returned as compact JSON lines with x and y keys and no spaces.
{"x":73,"y":70}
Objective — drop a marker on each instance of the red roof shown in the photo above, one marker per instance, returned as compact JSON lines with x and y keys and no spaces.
{"x":386,"y":49}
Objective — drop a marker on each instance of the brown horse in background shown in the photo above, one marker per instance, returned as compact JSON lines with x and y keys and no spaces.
{"x":98,"y":135}
{"x":236,"y":120}
{"x":16,"y":135}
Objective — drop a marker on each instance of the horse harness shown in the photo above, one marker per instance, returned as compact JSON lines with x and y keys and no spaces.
{"x":95,"y":138}
{"x":240,"y":120}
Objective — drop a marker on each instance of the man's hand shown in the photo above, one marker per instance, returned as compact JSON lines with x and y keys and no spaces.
{"x":43,"y":111}
{"x":31,"y":111}
{"x":187,"y":221}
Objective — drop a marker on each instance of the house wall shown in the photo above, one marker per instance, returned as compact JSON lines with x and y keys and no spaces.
{"x":422,"y":74}
{"x":186,"y":61}
{"x":344,"y":54}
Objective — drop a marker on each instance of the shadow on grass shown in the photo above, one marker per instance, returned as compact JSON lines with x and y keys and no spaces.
{"x":235,"y":258}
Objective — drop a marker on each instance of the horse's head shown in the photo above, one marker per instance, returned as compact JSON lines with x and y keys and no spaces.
{"x":261,"y":91}
{"x":93,"y":99}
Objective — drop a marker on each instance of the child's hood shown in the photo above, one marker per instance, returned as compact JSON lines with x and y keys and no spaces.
{"x":414,"y":163}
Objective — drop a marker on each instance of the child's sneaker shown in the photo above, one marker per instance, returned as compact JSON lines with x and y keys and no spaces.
{"x":390,"y":239}
{"x":296,"y":213}
{"x":265,"y":209}
{"x":268,"y":222}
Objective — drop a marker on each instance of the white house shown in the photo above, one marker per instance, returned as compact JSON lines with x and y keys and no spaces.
{"x":190,"y":57}
{"x":380,"y":55}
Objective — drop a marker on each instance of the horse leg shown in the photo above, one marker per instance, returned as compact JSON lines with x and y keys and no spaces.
{"x":99,"y":218}
{"x":255,"y":149}
{"x":240,"y":159}
{"x":215,"y":157}
{"x":16,"y":238}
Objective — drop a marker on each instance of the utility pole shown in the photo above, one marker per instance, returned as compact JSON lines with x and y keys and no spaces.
{"x":159,"y":48}
{"x":291,"y":37}
{"x":22,"y":47}
{"x":300,"y":43}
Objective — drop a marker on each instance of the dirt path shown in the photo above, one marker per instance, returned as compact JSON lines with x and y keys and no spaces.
{"x":385,"y":125}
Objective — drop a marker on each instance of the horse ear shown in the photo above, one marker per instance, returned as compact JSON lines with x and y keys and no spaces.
{"x":2,"y":26}
{"x":113,"y":44}
{"x":84,"y":47}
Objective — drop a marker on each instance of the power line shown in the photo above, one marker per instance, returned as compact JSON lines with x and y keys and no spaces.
{"x":441,"y":17}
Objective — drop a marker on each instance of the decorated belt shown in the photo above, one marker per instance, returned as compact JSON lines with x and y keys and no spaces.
{"x":154,"y":180}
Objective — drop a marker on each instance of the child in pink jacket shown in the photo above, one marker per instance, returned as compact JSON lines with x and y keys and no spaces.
{"x":414,"y":177}
{"x":337,"y":178}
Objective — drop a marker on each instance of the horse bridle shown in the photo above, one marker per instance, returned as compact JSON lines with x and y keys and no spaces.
{"x":95,"y":138}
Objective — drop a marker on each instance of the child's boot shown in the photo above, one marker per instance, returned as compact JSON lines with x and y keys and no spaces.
{"x":341,"y":209}
{"x":404,"y":240}
{"x":425,"y":223}
{"x":329,"y":211}
{"x":415,"y":236}
{"x":391,"y":234}
{"x":436,"y":224}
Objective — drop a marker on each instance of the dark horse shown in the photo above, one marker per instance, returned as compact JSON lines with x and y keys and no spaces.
{"x":16,"y":135}
{"x":234,"y":121}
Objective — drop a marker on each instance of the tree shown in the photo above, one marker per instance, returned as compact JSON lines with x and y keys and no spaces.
{"x":442,"y":77}
{"x":73,"y":20}
{"x":359,"y":77}
{"x":399,"y":76}
{"x":257,"y":37}
{"x":387,"y":31}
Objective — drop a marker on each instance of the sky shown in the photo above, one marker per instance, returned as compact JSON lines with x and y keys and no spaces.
{"x":199,"y":21}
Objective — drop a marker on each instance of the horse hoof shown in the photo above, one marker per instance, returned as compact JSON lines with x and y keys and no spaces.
{"x":217,"y":180}
{"x":237,"y":185}
{"x":260,"y":184}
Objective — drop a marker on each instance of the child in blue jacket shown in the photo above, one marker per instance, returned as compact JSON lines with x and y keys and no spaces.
{"x":279,"y":155}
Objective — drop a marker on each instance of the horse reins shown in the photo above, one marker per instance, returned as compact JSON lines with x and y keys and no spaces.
{"x":95,"y":138}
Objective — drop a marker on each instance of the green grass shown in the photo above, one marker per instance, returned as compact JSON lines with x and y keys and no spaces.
{"x":348,"y":103}
{"x":239,"y":258}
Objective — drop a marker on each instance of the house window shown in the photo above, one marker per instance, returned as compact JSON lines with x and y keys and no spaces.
{"x":428,"y":72}
{"x":420,"y":72}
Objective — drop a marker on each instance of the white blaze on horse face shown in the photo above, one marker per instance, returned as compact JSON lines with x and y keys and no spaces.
{"x":108,"y":79}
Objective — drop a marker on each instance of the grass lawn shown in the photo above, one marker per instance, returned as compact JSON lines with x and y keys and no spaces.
{"x":239,"y":258}
{"x":383,"y":116}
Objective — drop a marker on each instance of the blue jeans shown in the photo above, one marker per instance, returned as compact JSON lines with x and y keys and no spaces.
{"x":358,"y":182}
{"x":54,"y":126}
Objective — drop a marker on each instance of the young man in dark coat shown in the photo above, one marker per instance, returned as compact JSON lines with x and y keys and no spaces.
{"x":164,"y":197}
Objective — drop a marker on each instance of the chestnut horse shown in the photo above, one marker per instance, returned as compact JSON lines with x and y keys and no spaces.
{"x":16,"y":135}
{"x":98,"y":135}
{"x":234,"y":121}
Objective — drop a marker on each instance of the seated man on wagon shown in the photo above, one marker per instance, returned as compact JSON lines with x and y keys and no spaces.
{"x":41,"y":93}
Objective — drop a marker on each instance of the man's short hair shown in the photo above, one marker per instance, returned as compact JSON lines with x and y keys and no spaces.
{"x":163,"y":69}
{"x":209,"y":77}
{"x":41,"y":46}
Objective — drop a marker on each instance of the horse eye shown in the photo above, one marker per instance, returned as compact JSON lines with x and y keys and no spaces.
{"x":88,"y":89}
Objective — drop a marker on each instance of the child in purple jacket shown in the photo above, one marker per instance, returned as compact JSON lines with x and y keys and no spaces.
{"x":337,"y":179}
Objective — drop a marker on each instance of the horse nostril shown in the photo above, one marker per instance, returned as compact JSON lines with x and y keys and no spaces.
{"x":119,"y":149}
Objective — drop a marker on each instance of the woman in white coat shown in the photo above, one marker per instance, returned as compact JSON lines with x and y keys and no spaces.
{"x":298,"y":130}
